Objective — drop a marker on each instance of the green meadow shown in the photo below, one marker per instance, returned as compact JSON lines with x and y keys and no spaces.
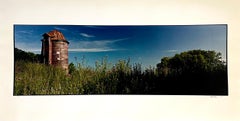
{"x":194,"y":72}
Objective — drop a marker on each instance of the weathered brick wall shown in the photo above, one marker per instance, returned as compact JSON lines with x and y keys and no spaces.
{"x":55,"y":49}
{"x":60,"y":54}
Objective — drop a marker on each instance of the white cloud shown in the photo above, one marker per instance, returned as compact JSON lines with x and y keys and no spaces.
{"x":59,"y":28}
{"x":86,"y":35}
{"x":92,"y":50}
{"x":171,"y":51}
{"x":25,"y":32}
{"x":95,"y":46}
{"x":29,"y":47}
{"x":95,"y":27}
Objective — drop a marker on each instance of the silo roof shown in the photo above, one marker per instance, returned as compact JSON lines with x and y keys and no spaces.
{"x":55,"y":35}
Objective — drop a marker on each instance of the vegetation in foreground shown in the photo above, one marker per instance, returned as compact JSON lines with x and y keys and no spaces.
{"x":195,"y":72}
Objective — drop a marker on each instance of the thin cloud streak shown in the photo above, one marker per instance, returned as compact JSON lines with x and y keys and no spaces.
{"x":27,"y":46}
{"x":92,"y":50}
{"x":95,"y":27}
{"x":86,"y":35}
{"x":75,"y":50}
{"x":171,"y":51}
{"x":59,"y":28}
{"x":97,"y":45}
{"x":25,"y":32}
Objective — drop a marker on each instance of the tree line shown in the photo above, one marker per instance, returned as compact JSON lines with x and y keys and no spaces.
{"x":26,"y":56}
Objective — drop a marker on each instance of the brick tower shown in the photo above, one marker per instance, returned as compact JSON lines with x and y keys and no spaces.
{"x":55,"y":49}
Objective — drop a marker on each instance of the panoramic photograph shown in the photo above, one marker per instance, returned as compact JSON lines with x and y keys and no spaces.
{"x":120,"y":60}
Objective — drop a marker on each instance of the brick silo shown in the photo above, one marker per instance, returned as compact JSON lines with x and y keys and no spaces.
{"x":55,"y":49}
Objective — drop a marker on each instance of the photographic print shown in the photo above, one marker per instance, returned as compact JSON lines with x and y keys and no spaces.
{"x":120,"y":59}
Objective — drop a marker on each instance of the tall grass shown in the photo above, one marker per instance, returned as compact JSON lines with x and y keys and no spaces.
{"x":105,"y":78}
{"x":192,"y":72}
{"x":35,"y":78}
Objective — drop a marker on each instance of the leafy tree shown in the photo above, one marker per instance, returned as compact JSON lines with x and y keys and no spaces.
{"x":194,"y":71}
{"x":163,"y":67}
{"x":191,"y":61}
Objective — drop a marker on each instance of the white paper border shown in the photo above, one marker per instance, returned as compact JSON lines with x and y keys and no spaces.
{"x":130,"y":108}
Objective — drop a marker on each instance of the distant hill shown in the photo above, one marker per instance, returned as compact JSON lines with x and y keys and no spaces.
{"x":26,"y":56}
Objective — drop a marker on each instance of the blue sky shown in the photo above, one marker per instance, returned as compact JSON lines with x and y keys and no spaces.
{"x":142,"y":44}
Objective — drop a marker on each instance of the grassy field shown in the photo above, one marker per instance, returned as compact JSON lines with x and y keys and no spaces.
{"x":189,"y":73}
{"x":39,"y":79}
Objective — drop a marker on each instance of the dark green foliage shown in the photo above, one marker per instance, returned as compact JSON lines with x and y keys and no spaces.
{"x":193,"y":72}
{"x":26,"y":56}
{"x":71,"y":68}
